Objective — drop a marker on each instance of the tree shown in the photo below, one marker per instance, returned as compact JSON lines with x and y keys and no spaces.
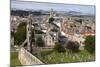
{"x":51,"y":20}
{"x":54,"y":30}
{"x":12,"y":33}
{"x":20,"y":35}
{"x":39,"y":42}
{"x":90,"y":44}
{"x":72,"y":46}
{"x":79,"y":20}
{"x":38,"y":32}
{"x":59,"y":47}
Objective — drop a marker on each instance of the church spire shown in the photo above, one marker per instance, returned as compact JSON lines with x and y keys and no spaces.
{"x":51,"y":12}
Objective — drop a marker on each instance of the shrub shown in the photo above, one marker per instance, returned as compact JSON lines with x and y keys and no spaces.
{"x":40,"y":42}
{"x":90,"y":44}
{"x":72,"y":46}
{"x":59,"y":47}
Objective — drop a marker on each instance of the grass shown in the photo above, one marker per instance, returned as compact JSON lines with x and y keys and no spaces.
{"x":14,"y":59}
{"x":52,"y":57}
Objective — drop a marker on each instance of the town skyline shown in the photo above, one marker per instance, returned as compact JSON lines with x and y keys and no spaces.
{"x":85,"y":9}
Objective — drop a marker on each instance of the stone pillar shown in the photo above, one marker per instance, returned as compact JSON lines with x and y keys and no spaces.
{"x":29,"y":33}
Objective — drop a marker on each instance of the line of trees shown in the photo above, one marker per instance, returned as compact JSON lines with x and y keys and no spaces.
{"x":23,"y":13}
{"x":74,"y":46}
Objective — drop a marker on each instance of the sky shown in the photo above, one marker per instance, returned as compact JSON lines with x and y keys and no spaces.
{"x":88,"y":9}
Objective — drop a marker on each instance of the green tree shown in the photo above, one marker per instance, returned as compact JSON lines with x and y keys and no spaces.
{"x":59,"y":47}
{"x":20,"y":35}
{"x":40,"y":42}
{"x":54,"y":30}
{"x":51,"y":20}
{"x":12,"y":33}
{"x":90,"y":44}
{"x":79,"y":20}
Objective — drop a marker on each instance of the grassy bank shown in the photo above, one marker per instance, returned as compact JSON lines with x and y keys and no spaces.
{"x":14,"y":59}
{"x":52,"y":57}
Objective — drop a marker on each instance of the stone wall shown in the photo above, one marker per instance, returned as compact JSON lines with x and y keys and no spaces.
{"x":26,"y":58}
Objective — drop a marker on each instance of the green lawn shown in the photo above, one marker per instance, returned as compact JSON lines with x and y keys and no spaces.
{"x":14,"y":59}
{"x":52,"y":57}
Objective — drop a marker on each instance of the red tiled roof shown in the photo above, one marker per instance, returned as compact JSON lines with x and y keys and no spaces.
{"x":85,"y":33}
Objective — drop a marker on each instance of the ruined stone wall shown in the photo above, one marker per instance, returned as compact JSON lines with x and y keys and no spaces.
{"x":26,"y":58}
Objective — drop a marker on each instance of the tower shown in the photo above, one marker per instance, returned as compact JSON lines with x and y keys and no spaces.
{"x":51,"y":12}
{"x":48,"y":37}
{"x":29,"y":33}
